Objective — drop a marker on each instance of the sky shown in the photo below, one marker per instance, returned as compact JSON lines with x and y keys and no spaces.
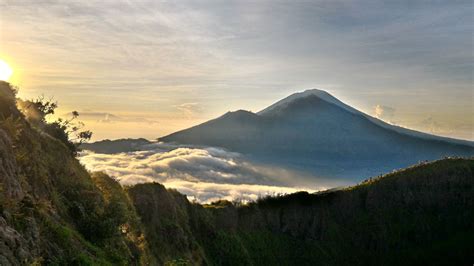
{"x":149,"y":68}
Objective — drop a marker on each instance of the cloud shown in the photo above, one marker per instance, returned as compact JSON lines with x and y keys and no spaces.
{"x":202,"y":173}
{"x":189,"y":110}
{"x":98,"y":116}
{"x":104,"y":117}
{"x":384,"y":112}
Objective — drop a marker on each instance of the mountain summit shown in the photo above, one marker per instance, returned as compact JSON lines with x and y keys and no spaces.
{"x":314,"y":131}
{"x":307,"y":93}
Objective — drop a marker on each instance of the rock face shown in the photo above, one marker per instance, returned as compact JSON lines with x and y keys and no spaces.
{"x":14,"y":249}
{"x":8,"y":169}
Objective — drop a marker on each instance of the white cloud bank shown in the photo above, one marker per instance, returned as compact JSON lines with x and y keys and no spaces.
{"x":204,"y":174}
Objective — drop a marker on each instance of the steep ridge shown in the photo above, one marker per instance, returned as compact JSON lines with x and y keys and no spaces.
{"x":52,"y":211}
{"x":314,"y":131}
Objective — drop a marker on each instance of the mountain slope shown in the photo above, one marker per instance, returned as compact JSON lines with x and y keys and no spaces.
{"x":52,"y":211}
{"x":314,"y":131}
{"x":331,"y":99}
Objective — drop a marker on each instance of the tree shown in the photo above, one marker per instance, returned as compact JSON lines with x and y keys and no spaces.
{"x":69,"y":131}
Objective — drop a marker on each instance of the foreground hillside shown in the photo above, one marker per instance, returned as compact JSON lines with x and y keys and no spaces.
{"x":53,"y":212}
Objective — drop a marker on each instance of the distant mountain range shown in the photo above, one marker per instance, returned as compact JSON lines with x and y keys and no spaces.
{"x":316,"y":132}
{"x":115,"y":146}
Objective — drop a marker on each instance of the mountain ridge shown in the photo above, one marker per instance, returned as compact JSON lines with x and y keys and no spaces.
{"x":314,"y":131}
{"x":324,"y":95}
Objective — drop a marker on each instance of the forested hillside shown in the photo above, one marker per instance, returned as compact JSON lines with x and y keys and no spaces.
{"x":421,"y":215}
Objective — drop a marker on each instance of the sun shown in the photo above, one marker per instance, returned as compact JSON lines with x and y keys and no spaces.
{"x":5,"y":71}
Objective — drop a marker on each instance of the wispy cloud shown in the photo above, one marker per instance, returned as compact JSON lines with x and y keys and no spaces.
{"x":98,"y":116}
{"x":190,"y":110}
{"x":105,"y":117}
{"x":385,"y":113}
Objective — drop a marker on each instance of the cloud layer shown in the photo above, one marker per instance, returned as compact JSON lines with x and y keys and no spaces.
{"x":204,"y":174}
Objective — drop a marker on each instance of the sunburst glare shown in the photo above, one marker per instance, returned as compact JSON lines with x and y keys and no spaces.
{"x":5,"y":70}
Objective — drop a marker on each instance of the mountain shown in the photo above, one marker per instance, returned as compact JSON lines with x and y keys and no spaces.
{"x":55,"y":212}
{"x":316,"y":132}
{"x":115,"y":146}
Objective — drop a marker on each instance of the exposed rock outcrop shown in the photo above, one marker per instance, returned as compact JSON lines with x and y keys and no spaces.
{"x":13,"y":247}
{"x":8,"y":169}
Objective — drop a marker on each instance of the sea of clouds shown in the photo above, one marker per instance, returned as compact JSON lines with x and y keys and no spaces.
{"x":203,"y":174}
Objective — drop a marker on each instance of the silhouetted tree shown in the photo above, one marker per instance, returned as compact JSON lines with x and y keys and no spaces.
{"x":69,"y":131}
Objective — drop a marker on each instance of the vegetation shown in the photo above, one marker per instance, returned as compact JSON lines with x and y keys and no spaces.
{"x":54,"y":212}
{"x":69,"y":131}
{"x":421,"y":215}
{"x":60,"y":213}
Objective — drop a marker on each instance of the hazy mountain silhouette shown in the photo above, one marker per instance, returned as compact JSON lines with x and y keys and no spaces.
{"x":314,"y":131}
{"x":115,"y":146}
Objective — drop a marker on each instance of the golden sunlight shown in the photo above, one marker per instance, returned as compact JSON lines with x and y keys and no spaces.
{"x":5,"y":71}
